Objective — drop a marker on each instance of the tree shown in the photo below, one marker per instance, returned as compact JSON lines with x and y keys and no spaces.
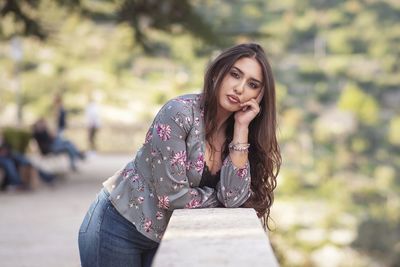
{"x":22,"y":11}
{"x":172,"y":16}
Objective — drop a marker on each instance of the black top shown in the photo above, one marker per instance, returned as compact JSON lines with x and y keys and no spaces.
{"x":62,"y":119}
{"x":44,"y":141}
{"x":208,"y":179}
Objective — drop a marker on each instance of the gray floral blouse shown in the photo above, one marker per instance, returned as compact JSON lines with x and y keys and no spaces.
{"x":167,"y":170}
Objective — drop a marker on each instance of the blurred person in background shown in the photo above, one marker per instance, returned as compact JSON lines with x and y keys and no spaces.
{"x":93,"y":123}
{"x":20,"y":172}
{"x":214,"y":149}
{"x":13,"y":180}
{"x":49,"y":143}
{"x":61,"y":115}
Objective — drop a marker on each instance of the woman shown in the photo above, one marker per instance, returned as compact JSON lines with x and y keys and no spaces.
{"x":198,"y":153}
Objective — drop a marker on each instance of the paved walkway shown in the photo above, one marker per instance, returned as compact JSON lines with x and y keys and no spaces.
{"x":40,"y":228}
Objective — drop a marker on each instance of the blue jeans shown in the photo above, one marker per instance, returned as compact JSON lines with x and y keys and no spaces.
{"x":60,"y":145}
{"x":12,"y":175}
{"x":107,"y":239}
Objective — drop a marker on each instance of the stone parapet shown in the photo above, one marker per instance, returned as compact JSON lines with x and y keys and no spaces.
{"x":215,"y":237}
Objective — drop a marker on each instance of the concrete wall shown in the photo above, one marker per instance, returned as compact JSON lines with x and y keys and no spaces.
{"x":215,"y":237}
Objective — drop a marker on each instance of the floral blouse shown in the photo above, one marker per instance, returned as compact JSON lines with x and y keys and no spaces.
{"x":167,"y":170}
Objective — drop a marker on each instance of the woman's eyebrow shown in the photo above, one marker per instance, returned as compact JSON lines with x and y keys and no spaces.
{"x":241,"y":72}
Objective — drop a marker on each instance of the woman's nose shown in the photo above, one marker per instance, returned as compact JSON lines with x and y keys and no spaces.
{"x":239,"y":87}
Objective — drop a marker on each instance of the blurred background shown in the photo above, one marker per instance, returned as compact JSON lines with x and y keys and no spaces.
{"x":337,"y":71}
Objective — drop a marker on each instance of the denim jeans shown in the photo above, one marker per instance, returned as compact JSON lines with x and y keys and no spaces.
{"x":107,"y":239}
{"x":60,"y":145}
{"x":12,"y":175}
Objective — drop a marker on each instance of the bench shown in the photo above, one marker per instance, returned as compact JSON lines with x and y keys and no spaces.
{"x":51,"y":162}
{"x":215,"y":237}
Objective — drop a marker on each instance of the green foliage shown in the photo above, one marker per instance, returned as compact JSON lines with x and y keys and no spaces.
{"x":172,"y":16}
{"x":312,"y":73}
{"x":378,"y":236}
{"x":394,"y":130}
{"x":361,"y":104}
{"x":18,"y":139}
{"x":339,"y":41}
{"x":291,"y":183}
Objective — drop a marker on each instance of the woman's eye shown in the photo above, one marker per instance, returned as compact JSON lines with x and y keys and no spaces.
{"x":235,"y":74}
{"x":253,"y":85}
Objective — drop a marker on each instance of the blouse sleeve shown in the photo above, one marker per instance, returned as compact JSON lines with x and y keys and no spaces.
{"x":168,"y":149}
{"x":234,"y":186}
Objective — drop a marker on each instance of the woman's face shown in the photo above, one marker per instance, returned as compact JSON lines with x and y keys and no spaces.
{"x":243,"y":82}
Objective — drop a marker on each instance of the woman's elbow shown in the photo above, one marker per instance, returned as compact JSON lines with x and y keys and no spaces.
{"x":234,"y":202}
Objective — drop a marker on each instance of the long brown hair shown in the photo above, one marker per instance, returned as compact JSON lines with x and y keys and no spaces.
{"x":264,"y":154}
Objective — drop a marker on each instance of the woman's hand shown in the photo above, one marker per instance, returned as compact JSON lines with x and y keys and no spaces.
{"x":249,"y":110}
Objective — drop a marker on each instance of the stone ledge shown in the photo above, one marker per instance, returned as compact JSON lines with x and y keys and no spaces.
{"x":215,"y":237}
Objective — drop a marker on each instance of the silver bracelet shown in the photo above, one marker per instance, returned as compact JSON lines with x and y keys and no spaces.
{"x":240,"y":147}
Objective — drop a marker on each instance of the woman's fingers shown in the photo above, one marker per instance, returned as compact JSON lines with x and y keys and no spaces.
{"x":249,"y":110}
{"x":252,"y":103}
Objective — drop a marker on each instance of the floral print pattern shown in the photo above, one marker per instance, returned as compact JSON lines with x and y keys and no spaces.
{"x":147,"y":225}
{"x":242,"y":172}
{"x":163,"y":202}
{"x":164,"y":131}
{"x":149,"y":136}
{"x":167,"y":170}
{"x":159,"y":215}
{"x":199,"y":165}
{"x":179,"y":158}
{"x":194,"y":203}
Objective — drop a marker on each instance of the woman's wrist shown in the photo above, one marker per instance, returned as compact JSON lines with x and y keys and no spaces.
{"x":240,"y":134}
{"x":239,"y":147}
{"x":241,"y":125}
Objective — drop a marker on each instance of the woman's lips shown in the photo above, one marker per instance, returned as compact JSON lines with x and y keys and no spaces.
{"x":233,"y":99}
